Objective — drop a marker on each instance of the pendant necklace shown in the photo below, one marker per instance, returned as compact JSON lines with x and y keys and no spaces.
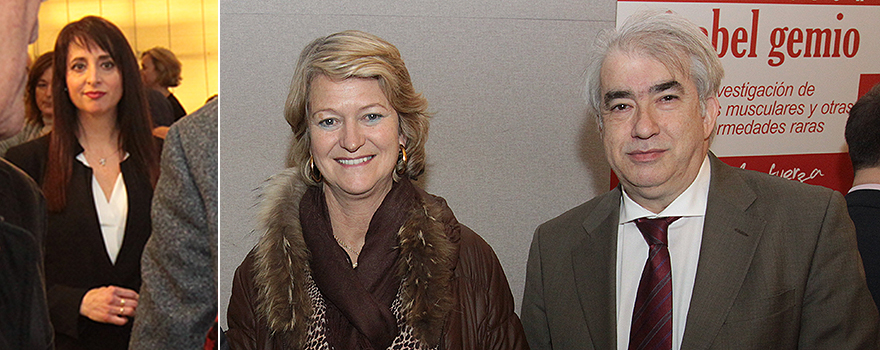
{"x":356,"y":253}
{"x":101,"y":160}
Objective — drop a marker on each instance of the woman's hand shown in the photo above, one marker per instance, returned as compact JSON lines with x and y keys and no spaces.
{"x":109,"y":304}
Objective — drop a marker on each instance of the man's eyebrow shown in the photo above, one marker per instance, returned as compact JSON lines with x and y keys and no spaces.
{"x":664,"y":86}
{"x":614,"y":94}
{"x":669,"y":85}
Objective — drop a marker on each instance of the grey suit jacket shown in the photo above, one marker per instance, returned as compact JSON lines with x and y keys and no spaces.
{"x":778,"y":269}
{"x":178,"y":300}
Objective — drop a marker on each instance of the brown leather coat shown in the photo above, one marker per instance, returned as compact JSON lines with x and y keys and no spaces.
{"x":472,"y":307}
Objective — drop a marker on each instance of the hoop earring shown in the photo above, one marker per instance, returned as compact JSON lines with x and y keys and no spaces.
{"x":314,"y":174}
{"x":401,"y":161}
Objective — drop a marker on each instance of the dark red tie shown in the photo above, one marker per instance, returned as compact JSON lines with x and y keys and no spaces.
{"x":652,"y":314}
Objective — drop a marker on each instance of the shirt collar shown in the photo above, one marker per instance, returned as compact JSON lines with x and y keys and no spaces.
{"x":691,"y":202}
{"x":865,"y":187}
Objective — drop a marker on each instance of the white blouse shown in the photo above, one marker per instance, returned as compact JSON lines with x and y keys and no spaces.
{"x":112,"y":214}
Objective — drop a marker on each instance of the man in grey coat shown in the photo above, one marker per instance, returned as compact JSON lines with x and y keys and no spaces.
{"x":689,"y":253}
{"x":178,"y":301}
{"x":24,"y":313}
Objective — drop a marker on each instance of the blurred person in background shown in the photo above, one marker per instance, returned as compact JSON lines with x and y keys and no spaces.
{"x":161,"y":69}
{"x":97,"y":169}
{"x":862,"y":134}
{"x":39,"y":113}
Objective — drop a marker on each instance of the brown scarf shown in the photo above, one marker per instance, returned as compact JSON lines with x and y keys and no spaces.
{"x":358,"y":300}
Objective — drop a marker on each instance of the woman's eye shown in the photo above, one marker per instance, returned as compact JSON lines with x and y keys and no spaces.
{"x":373,"y":117}
{"x":108,"y":65}
{"x":327,"y":123}
{"x":77,"y":67}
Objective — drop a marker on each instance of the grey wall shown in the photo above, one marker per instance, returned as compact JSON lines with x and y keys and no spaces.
{"x":509,"y":148}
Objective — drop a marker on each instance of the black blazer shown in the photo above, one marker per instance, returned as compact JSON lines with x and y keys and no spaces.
{"x":23,"y":311}
{"x":76,"y":259}
{"x":864,"y":209}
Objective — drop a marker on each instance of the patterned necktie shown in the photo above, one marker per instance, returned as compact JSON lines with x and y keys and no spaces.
{"x":652,"y":314}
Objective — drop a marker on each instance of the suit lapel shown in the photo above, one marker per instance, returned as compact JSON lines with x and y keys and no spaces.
{"x":594,"y":265}
{"x":137,"y":224}
{"x":83,"y":203}
{"x":730,"y":237}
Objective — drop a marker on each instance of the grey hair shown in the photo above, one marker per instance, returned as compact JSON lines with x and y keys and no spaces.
{"x":666,"y":37}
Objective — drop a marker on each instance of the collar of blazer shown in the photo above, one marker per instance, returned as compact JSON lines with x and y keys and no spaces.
{"x":730,"y":236}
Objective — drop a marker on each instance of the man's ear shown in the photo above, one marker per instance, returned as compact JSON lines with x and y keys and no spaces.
{"x":713,"y":109}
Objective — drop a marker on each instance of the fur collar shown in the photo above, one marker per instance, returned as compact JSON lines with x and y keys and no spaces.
{"x":428,"y":244}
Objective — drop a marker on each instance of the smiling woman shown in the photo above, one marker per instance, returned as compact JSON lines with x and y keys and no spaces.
{"x":97,"y":169}
{"x":355,"y":138}
{"x":353,"y":255}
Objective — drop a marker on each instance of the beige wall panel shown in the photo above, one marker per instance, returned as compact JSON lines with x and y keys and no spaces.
{"x":152,"y":21}
{"x":212,"y":39}
{"x":189,"y":44}
{"x":121,"y":13}
{"x":52,"y":17}
{"x":578,"y":10}
{"x":193,"y":88}
{"x":80,"y":9}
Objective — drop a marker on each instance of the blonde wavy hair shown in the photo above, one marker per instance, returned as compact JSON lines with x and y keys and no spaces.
{"x":351,"y":54}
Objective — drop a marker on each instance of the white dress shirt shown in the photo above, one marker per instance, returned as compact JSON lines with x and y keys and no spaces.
{"x":864,"y":187}
{"x":684,"y":239}
{"x":112,"y":213}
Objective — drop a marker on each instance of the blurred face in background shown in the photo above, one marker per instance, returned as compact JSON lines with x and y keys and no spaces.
{"x":148,"y":71}
{"x":94,"y":82}
{"x":18,"y":28}
{"x":43,"y":94}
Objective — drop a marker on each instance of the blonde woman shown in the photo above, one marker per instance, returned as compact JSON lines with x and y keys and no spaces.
{"x":354,"y":255}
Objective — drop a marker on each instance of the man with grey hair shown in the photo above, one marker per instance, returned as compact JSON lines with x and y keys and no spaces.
{"x":24,"y":315}
{"x":687,"y":252}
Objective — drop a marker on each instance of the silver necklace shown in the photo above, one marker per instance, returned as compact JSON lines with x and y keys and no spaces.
{"x":101,"y":160}
{"x":356,"y":253}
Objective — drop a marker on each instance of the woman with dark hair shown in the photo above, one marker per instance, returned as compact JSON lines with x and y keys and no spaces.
{"x":97,"y":169}
{"x":39,"y":112}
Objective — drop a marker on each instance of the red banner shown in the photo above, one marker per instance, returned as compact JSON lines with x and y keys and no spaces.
{"x":832,"y":170}
{"x":777,"y":2}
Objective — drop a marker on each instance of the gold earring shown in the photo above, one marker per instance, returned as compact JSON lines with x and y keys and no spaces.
{"x":314,"y":174}
{"x":401,"y":162}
